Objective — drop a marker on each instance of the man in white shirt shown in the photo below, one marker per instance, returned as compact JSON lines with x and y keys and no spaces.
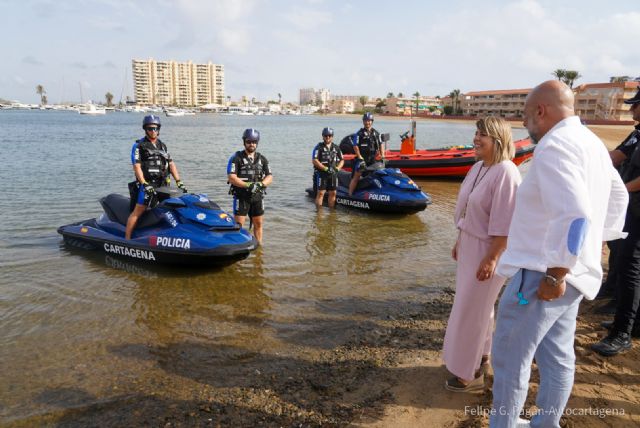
{"x":570,"y":201}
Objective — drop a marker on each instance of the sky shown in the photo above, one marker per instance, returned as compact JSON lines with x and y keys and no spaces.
{"x":350,"y":47}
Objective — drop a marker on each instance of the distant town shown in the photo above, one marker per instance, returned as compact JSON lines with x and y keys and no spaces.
{"x":185,"y":88}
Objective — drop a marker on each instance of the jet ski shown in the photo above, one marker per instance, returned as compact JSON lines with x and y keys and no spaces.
{"x":182,"y":229}
{"x":380,"y":189}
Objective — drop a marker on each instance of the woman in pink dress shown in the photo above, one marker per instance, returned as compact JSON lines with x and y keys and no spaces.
{"x":483,"y":214}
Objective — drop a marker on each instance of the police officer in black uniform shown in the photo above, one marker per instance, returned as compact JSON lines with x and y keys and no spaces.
{"x":367,"y":145}
{"x":327,"y":161}
{"x":249,"y":175}
{"x":152,"y":164}
{"x":626,"y":322}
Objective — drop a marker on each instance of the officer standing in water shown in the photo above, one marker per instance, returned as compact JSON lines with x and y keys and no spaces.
{"x":367,"y":144}
{"x":249,"y":174}
{"x":327,"y":161}
{"x":152,"y":165}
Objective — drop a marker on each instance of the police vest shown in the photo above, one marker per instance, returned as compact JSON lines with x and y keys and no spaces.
{"x":248,"y":171}
{"x":327,"y":156}
{"x":369,"y":144}
{"x":154,"y":160}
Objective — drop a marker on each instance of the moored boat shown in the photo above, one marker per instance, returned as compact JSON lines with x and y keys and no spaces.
{"x":440,"y":162}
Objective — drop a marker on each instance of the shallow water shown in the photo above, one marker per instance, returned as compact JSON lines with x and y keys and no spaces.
{"x":77,"y":329}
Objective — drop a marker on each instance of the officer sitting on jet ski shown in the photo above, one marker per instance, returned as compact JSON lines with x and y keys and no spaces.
{"x":367,"y":145}
{"x":327,"y":161}
{"x":152,"y":164}
{"x":249,"y":174}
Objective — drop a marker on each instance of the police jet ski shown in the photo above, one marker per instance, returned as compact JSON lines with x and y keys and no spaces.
{"x":380,"y":189}
{"x":182,"y":229}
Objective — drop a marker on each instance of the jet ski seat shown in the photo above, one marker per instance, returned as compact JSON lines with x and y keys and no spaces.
{"x":344,"y":178}
{"x":117,"y":208}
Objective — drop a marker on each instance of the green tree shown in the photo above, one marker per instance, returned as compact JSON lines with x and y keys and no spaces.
{"x":559,"y":73}
{"x":616,"y":79}
{"x":279,"y":98}
{"x":363,"y":100}
{"x":570,"y":76}
{"x":455,"y":100}
{"x":40,"y":91}
{"x":448,"y":110}
{"x":417,"y":95}
{"x":400,"y":95}
{"x":109,"y":98}
{"x":390,"y":95}
{"x":45,"y":101}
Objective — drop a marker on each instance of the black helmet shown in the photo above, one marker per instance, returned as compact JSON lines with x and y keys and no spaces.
{"x":251,"y":134}
{"x":327,"y":131}
{"x":151,"y":120}
{"x":367,"y":116}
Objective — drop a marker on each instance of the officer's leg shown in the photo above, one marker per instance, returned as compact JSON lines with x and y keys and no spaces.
{"x":133,"y":219}
{"x":239,"y":211}
{"x":257,"y":228}
{"x":332,"y":198}
{"x":319,"y":198}
{"x":354,"y":181}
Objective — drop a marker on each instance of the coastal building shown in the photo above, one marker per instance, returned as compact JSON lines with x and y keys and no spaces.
{"x":604,"y":101}
{"x":182,"y":84}
{"x":404,"y":106}
{"x":593,"y":101}
{"x":505,"y":103}
{"x":342,"y":106}
{"x":319,"y":97}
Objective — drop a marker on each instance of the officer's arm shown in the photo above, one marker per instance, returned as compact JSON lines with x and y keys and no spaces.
{"x":174,"y":171}
{"x":137,"y":170}
{"x":617,"y":157}
{"x":633,"y":185}
{"x":235,"y":181}
{"x":267,"y":180}
{"x":356,"y":150}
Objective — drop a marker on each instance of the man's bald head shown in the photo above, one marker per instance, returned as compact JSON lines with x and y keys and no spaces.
{"x":546,"y":105}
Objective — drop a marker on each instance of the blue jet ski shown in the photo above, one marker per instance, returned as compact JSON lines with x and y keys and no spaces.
{"x":380,"y":189}
{"x":182,"y":229}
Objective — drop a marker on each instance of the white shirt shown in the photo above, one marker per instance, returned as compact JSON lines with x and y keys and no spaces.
{"x":570,"y":201}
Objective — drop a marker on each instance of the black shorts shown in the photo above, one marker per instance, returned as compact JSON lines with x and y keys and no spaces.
{"x":323,"y":181}
{"x":244,"y":206}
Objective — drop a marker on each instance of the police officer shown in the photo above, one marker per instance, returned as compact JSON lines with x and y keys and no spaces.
{"x":152,"y":165}
{"x":249,"y":174}
{"x":626,"y":323}
{"x":327,"y":161}
{"x":367,"y":145}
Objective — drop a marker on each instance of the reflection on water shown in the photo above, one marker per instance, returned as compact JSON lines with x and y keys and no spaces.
{"x":66,"y":318}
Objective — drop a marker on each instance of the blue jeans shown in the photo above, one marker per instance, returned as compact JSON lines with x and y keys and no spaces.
{"x":540,"y":329}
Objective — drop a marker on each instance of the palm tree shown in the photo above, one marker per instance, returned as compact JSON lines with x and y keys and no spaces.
{"x":417,"y":95}
{"x":109,"y":97}
{"x":559,"y":73}
{"x":571,"y":76}
{"x":616,"y":79}
{"x":400,"y":95}
{"x":279,"y":98}
{"x":390,"y":95}
{"x":45,"y":101}
{"x":40,"y":91}
{"x":455,"y":100}
{"x":363,"y":100}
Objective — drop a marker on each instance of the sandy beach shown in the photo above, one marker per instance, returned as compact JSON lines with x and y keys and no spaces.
{"x":606,"y":392}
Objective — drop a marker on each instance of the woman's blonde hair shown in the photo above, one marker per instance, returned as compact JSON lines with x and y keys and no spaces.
{"x":500,"y":131}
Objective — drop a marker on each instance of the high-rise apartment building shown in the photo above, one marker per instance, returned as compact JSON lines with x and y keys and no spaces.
{"x":173,"y":83}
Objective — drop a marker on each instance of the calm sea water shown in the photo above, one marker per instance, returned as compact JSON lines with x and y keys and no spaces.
{"x":62,"y":313}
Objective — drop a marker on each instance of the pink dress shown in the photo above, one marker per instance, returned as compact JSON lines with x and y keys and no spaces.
{"x":489,"y":207}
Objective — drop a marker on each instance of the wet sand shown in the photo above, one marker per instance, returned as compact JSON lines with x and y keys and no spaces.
{"x":382,"y":369}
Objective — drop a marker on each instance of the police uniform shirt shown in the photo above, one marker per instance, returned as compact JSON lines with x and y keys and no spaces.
{"x":247,"y":169}
{"x":143,"y":152}
{"x":629,"y":144}
{"x":368,"y":143}
{"x":327,"y":155}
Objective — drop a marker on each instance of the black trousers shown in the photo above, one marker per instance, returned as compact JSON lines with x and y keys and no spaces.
{"x":628,"y":284}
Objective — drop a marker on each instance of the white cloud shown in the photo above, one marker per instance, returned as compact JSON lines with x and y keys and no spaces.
{"x":308,"y":19}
